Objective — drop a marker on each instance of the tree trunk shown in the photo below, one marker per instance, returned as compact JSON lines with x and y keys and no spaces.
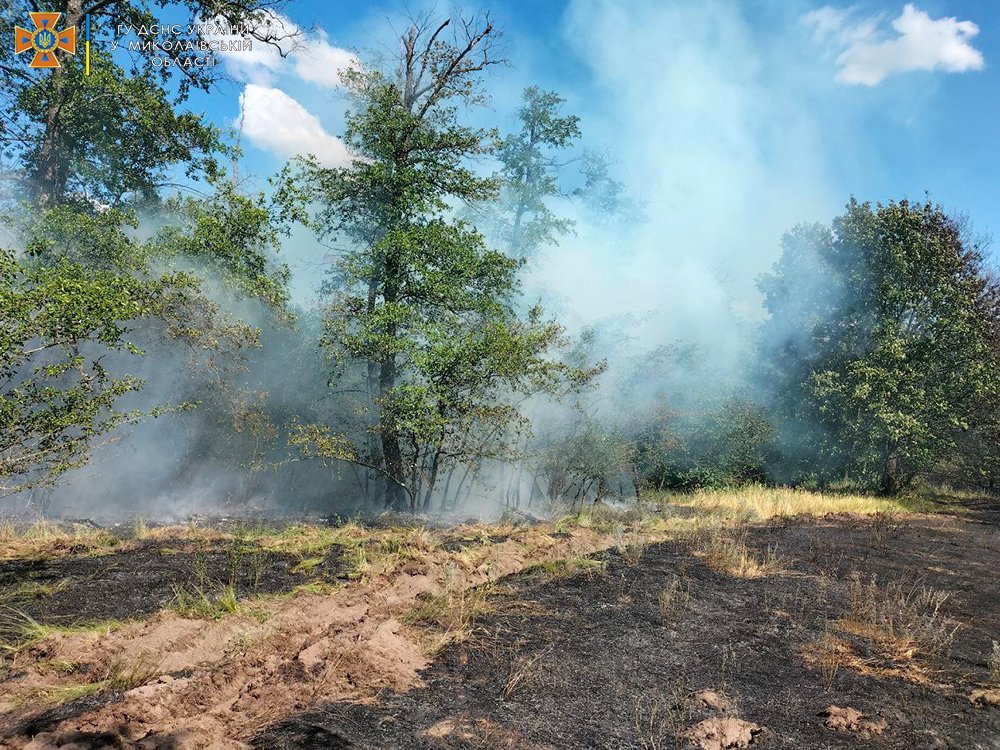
{"x":432,"y":479}
{"x":636,"y":481}
{"x":392,"y":453}
{"x":50,"y":173}
{"x":458,"y":489}
{"x":892,"y":474}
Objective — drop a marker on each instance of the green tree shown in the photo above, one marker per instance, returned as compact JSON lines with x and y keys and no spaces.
{"x":234,"y":236}
{"x":92,"y":157}
{"x":217,"y":250}
{"x":521,"y":220}
{"x":602,"y":194}
{"x":418,"y":298}
{"x":58,"y":394}
{"x":882,"y":340}
{"x":121,"y":130}
{"x":589,"y":457}
{"x":715,"y":444}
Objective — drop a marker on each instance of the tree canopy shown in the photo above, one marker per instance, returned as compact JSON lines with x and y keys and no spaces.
{"x":884,"y":337}
{"x":419,"y":298}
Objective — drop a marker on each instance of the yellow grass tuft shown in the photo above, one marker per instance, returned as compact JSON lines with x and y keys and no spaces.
{"x":761,"y":502}
{"x":44,"y":538}
{"x":902,"y":620}
{"x":725,"y":548}
{"x":452,"y":614}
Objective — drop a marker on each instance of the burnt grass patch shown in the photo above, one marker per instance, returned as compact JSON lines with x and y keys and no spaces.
{"x":610,"y":661}
{"x":146,"y":578}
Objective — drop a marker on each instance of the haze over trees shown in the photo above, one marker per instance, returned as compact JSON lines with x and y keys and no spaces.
{"x":893,"y":357}
{"x":421,"y":303}
{"x":428,"y":379}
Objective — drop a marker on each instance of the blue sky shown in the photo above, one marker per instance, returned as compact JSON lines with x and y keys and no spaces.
{"x":732,"y":120}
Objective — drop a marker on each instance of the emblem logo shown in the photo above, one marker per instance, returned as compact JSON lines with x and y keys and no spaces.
{"x":45,"y":39}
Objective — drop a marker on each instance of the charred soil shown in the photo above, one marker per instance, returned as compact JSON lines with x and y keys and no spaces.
{"x":836,"y":632}
{"x":611,"y":661}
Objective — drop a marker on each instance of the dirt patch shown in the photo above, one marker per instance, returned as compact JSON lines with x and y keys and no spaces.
{"x":576,"y":660}
{"x":985,"y":698}
{"x":722,"y":733}
{"x":231,"y":677}
{"x":463,"y":734}
{"x":711,"y":700}
{"x":852,"y":720}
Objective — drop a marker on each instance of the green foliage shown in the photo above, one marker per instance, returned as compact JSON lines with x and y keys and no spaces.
{"x":57,"y":396}
{"x":592,"y":458}
{"x":231,"y":235}
{"x":100,"y":240}
{"x":521,"y":219}
{"x":712,"y":446}
{"x":94,"y":153}
{"x":420,"y":302}
{"x":883,"y":340}
{"x":604,"y":196}
{"x":97,"y":255}
{"x":120,"y":133}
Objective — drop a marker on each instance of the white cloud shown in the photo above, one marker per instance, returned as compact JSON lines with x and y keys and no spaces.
{"x":274,"y":121}
{"x":262,"y":61}
{"x":309,"y":55}
{"x":828,"y":21}
{"x":320,"y":62}
{"x":920,"y":42}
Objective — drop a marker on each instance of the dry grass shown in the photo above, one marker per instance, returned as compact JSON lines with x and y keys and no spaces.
{"x":518,"y":670}
{"x":725,"y":549}
{"x":44,"y":538}
{"x":885,"y":527}
{"x":674,"y":598}
{"x":140,"y":529}
{"x":630,"y":544}
{"x":829,"y":655}
{"x":366,"y":552}
{"x":368,"y":547}
{"x":20,"y":630}
{"x":653,"y":725}
{"x":903,"y":620}
{"x":761,"y":502}
{"x":905,"y":624}
{"x":451,"y":615}
{"x":605,"y":518}
{"x":17,"y":594}
{"x":659,"y":720}
{"x":728,"y":664}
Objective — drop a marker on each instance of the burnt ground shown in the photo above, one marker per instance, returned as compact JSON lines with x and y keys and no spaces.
{"x":129,"y":585}
{"x":145,"y":578}
{"x":590,"y":662}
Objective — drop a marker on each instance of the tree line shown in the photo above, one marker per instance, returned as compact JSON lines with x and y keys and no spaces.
{"x":426,"y":375}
